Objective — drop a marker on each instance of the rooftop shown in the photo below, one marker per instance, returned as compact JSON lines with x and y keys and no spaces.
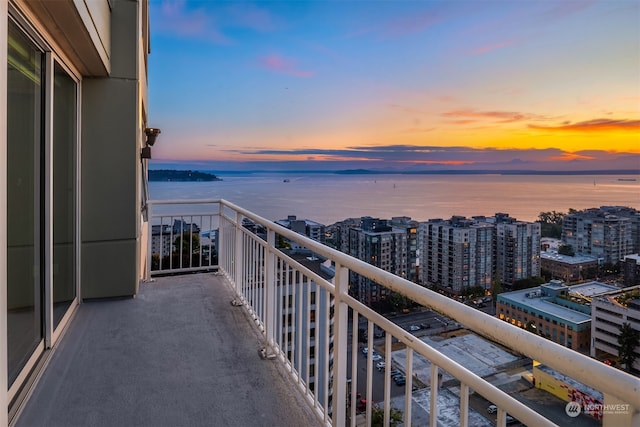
{"x":170,"y":356}
{"x":555,"y":256}
{"x":535,"y":300}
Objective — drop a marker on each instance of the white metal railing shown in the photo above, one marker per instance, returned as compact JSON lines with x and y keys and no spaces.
{"x":310,"y":323}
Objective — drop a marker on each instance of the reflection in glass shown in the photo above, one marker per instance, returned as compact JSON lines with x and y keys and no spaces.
{"x":24,"y":200}
{"x":64,"y":175}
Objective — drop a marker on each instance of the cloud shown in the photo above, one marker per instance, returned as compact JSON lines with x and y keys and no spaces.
{"x":467,"y":115}
{"x":489,"y":48}
{"x":595,"y":125}
{"x":175,"y":18}
{"x":278,"y":64}
{"x":458,"y":155}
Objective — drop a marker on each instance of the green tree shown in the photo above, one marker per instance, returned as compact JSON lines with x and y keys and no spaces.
{"x":628,"y":341}
{"x":566,"y":250}
{"x":187,"y":243}
{"x":551,"y":224}
{"x":496,"y":287}
{"x":398,"y":301}
{"x":528,"y":283}
{"x":377,"y":416}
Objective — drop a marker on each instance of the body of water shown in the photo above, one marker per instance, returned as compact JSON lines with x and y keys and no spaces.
{"x":329,"y":198}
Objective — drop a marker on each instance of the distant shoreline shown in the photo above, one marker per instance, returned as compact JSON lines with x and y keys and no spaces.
{"x":388,"y":172}
{"x":171,"y":175}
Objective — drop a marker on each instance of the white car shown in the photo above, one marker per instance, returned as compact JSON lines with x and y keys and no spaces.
{"x":492,"y":409}
{"x":365,"y":350}
{"x":381,"y":365}
{"x":376,"y":357}
{"x":414,"y":328}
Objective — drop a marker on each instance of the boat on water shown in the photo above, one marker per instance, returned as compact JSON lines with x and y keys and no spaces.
{"x":627,"y":179}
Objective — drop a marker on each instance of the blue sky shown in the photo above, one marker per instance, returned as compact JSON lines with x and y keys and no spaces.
{"x":401,"y":85}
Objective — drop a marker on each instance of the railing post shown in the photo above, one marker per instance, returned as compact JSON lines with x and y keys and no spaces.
{"x":239,"y":255}
{"x":147,"y":270}
{"x":341,"y":334}
{"x":270,"y":308}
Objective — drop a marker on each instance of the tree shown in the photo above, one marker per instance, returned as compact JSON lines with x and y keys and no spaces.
{"x":566,"y":250}
{"x":377,"y":416}
{"x":628,"y":341}
{"x":187,"y":243}
{"x":551,"y":224}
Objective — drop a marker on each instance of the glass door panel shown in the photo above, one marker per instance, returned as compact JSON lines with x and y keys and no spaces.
{"x":64,"y":192}
{"x":24,"y":200}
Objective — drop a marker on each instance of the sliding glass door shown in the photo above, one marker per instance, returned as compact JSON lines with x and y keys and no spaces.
{"x":42,"y":200}
{"x":25,"y":253}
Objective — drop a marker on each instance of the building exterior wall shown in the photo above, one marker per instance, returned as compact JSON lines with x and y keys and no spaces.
{"x":607,"y":317}
{"x":557,"y":312}
{"x":562,"y":267}
{"x":605,"y":233}
{"x":517,"y":251}
{"x":99,"y":49}
{"x":456,"y":254}
{"x":385,"y":249}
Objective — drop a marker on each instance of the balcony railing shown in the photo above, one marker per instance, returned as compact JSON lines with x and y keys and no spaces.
{"x":311,"y":324}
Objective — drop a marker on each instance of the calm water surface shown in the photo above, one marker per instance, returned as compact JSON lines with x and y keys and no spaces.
{"x":330,"y":198}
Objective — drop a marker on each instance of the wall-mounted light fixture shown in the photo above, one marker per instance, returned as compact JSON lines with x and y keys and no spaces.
{"x":152,"y":134}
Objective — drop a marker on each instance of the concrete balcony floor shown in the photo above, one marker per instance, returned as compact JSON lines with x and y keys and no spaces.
{"x":178,"y":354}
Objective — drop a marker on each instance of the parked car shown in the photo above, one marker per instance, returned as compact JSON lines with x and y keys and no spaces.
{"x":401,"y":380}
{"x":365,"y":350}
{"x":414,"y":328}
{"x":380,"y":366}
{"x":511,"y":420}
{"x":492,"y":409}
{"x":425,"y":325}
{"x":376,"y":357}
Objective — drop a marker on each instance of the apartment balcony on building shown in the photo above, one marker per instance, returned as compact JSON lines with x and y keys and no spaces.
{"x":247,"y":332}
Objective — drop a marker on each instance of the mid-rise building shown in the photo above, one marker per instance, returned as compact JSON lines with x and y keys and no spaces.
{"x":568,"y":268}
{"x":517,"y":249}
{"x":607,"y":233}
{"x":558,"y":312}
{"x":411,"y":229}
{"x":306,"y":324}
{"x":456,"y":254}
{"x":312,"y":229}
{"x":608,"y":313}
{"x":631,"y":270}
{"x":383,"y":246}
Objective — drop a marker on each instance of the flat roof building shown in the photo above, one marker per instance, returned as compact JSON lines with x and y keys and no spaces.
{"x":568,"y":268}
{"x":558,"y":312}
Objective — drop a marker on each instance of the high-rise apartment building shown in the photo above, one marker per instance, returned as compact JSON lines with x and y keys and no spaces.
{"x":606,"y":233}
{"x":410,"y":227}
{"x":383,"y":246}
{"x":456,"y":254}
{"x":517,"y":249}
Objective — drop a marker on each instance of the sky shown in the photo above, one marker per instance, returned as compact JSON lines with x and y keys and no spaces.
{"x":395,"y":85}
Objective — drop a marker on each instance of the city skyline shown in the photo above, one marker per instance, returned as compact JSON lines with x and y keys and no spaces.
{"x":396,"y":85}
